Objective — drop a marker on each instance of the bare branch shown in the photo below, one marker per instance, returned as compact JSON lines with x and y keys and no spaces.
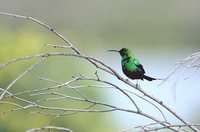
{"x":51,"y":128}
{"x":58,"y":46}
{"x":20,"y":76}
{"x":45,"y":26}
{"x":191,"y":61}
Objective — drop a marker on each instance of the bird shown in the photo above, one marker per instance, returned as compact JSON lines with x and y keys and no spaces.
{"x":131,"y":67}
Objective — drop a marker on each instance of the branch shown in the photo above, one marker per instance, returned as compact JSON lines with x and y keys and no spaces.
{"x":45,"y":26}
{"x":191,"y":61}
{"x":20,"y":76}
{"x":49,"y":128}
{"x":120,"y":78}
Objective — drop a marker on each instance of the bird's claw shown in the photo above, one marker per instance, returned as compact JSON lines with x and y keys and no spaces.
{"x":137,"y":85}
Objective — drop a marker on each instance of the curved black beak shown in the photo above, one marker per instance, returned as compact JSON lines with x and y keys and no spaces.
{"x":113,"y":50}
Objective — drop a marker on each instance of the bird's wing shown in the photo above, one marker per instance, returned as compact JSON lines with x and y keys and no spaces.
{"x":139,"y":66}
{"x":132,"y":65}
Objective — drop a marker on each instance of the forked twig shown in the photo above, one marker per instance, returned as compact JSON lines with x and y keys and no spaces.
{"x":20,"y":76}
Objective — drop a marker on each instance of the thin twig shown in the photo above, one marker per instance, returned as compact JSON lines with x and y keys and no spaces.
{"x":58,"y":46}
{"x":44,"y":25}
{"x":20,"y":76}
{"x":49,"y":127}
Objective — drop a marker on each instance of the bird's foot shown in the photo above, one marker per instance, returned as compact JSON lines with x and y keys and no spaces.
{"x":137,"y":85}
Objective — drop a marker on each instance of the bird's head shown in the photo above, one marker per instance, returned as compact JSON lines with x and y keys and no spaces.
{"x":124,"y":52}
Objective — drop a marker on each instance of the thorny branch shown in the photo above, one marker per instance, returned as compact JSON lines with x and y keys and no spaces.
{"x":61,"y":111}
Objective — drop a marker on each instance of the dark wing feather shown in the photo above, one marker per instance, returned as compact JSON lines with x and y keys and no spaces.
{"x":140,"y":68}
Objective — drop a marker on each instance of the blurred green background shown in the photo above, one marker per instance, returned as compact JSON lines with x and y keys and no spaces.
{"x":159,"y":32}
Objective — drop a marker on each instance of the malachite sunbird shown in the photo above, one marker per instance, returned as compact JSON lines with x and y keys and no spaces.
{"x":131,"y":67}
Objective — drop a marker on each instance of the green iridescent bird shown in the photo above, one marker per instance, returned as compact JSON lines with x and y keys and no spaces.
{"x":131,"y":66}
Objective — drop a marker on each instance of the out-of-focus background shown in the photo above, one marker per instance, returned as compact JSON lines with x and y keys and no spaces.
{"x":159,"y":32}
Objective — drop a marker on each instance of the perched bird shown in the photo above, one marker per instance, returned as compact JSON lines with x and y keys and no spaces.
{"x":131,"y":66}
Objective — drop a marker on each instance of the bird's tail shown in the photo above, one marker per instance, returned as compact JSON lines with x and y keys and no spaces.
{"x":149,"y":78}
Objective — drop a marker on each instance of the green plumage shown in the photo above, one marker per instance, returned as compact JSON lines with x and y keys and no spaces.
{"x":131,"y":67}
{"x":130,"y":64}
